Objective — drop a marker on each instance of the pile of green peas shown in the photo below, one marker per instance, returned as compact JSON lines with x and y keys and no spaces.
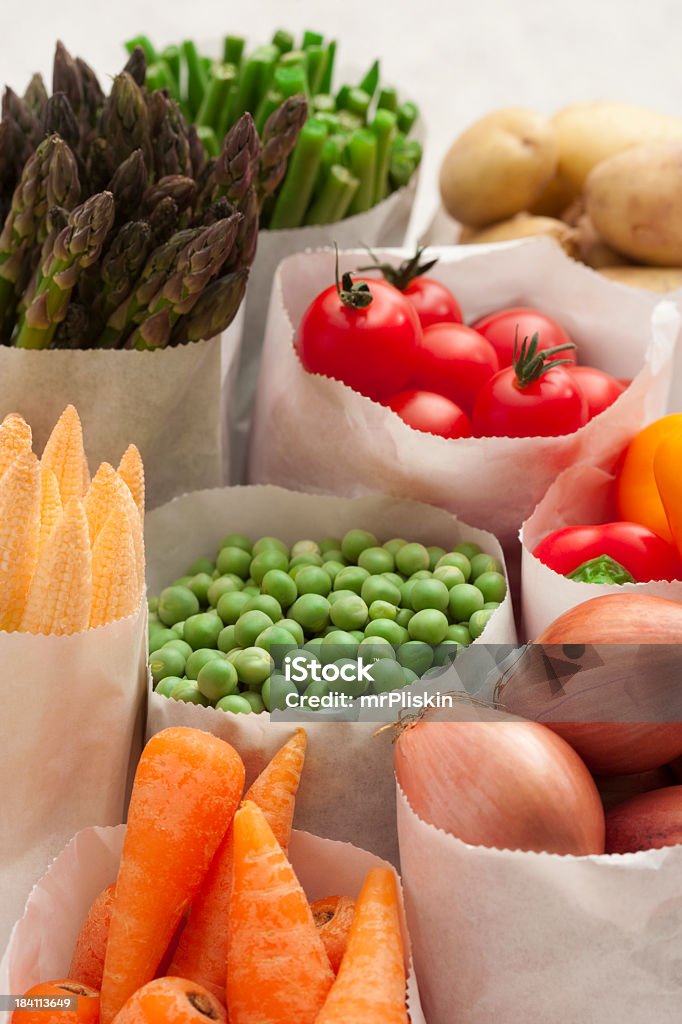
{"x":218,"y":636}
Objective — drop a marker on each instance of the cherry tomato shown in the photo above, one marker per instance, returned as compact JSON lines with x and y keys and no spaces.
{"x":500,"y":330}
{"x":431,"y":413}
{"x":456,"y":362}
{"x":637,"y":549}
{"x":366,"y":335}
{"x":599,"y":388}
{"x":548,"y":407}
{"x":434,"y":303}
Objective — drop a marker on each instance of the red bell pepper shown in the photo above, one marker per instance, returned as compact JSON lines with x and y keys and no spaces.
{"x":644,"y":554}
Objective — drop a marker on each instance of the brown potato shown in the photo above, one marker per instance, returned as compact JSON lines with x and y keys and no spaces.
{"x":634,"y":201}
{"x":498,"y":166}
{"x":591,"y":247}
{"x":522,"y":226}
{"x":589,"y":133}
{"x":654,"y":279}
{"x":556,"y":196}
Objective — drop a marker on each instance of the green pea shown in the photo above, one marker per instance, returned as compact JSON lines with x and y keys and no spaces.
{"x":349,"y":684}
{"x":294,"y":628}
{"x":152,"y":605}
{"x":201,"y":565}
{"x":179,"y":630}
{"x":312,"y":612}
{"x":253,"y":666}
{"x":231,"y":656}
{"x":376,"y":560}
{"x":383,"y":610}
{"x":332,"y":569}
{"x":251,"y":590}
{"x":159,"y":638}
{"x":202,"y":630}
{"x":313,"y":647}
{"x":352,"y":578}
{"x":268,"y":544}
{"x":479,"y":620}
{"x":492,"y":585}
{"x":278,"y":642}
{"x":403,"y":617}
{"x":182,"y":581}
{"x":329,"y":544}
{"x":333,"y":555}
{"x":313,"y":580}
{"x":189,"y":692}
{"x":233,"y":561}
{"x":267,"y":560}
{"x":226,"y":640}
{"x":231,"y":605}
{"x":199,"y":585}
{"x":236,"y":704}
{"x":349,"y":613}
{"x":198,"y":659}
{"x":166,"y":686}
{"x":255,"y":700}
{"x":176,"y":604}
{"x":236,"y":540}
{"x":278,"y":584}
{"x":275,"y":691}
{"x":435,"y":554}
{"x":410,"y":676}
{"x":166,"y":662}
{"x":305,"y":547}
{"x":338,"y":595}
{"x":429,"y":625}
{"x":355,"y":542}
{"x":416,"y":656}
{"x":386,"y":676}
{"x":458,"y":561}
{"x":465,"y":599}
{"x":318,"y":688}
{"x":378,"y":588}
{"x":264,"y":603}
{"x":421,"y":574}
{"x":412,"y":558}
{"x":467,"y":548}
{"x":375,"y":648}
{"x":430,"y":594}
{"x":249,"y":626}
{"x":304,"y":662}
{"x":179,"y":645}
{"x":446,"y":652}
{"x":388,"y":629}
{"x":490,"y":604}
{"x":406,"y":594}
{"x":394,"y":545}
{"x":227,"y":584}
{"x":294,"y":570}
{"x":393,"y":577}
{"x":450,"y":575}
{"x":483,"y":563}
{"x":460,"y":634}
{"x":337,"y":644}
{"x":218,"y":679}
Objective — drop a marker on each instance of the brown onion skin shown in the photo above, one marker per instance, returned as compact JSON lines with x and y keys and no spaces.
{"x":507,"y":785}
{"x":676,"y":768}
{"x":647,"y":822}
{"x":615,"y":789}
{"x":622,"y":748}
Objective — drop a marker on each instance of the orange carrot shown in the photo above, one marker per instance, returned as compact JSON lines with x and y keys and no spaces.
{"x":85,"y":1011}
{"x":171,"y":1001}
{"x":87,"y":963}
{"x":202,"y":951}
{"x":277,"y":969}
{"x":333,"y":917}
{"x":187,"y":786}
{"x":370,"y":986}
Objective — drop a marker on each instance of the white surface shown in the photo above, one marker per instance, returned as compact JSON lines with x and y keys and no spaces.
{"x":455,"y":60}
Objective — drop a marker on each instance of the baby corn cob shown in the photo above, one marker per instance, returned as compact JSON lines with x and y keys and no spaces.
{"x":131,"y":471}
{"x":108,"y":493}
{"x":15,"y":438}
{"x":60,"y":595}
{"x":50,"y":505}
{"x":115,"y":590}
{"x":19,"y":533}
{"x":65,"y":456}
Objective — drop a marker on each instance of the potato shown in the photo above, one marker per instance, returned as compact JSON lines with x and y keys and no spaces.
{"x":591,"y":247}
{"x":522,"y":226}
{"x":556,"y":196}
{"x":654,"y":279}
{"x":634,"y":201}
{"x":589,"y":133}
{"x":498,"y":166}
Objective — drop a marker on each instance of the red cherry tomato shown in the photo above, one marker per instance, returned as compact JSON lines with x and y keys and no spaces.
{"x":637,"y":549}
{"x":599,"y":388}
{"x":547,"y":407}
{"x":434,"y":414}
{"x":456,"y":362}
{"x":372,"y":349}
{"x":434,"y":303}
{"x":500,"y":330}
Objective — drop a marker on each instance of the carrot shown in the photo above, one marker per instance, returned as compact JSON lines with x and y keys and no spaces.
{"x":86,"y":1010}
{"x":370,"y":986}
{"x":202,"y":950}
{"x":87,"y":962}
{"x":187,"y":786}
{"x":171,"y":1001}
{"x":669,"y":483}
{"x":277,"y":969}
{"x":333,"y":917}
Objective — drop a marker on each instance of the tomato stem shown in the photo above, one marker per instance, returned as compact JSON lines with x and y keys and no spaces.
{"x":406,"y":272}
{"x":353,"y":294}
{"x":530,"y":364}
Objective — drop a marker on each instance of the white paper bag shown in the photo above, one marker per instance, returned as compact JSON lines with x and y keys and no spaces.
{"x":42,"y":943}
{"x":386,"y":224}
{"x":72,"y":724}
{"x":347,"y":789}
{"x":316,"y":434}
{"x":171,"y":403}
{"x":509,"y":936}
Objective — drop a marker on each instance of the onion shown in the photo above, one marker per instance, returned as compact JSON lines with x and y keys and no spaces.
{"x":508,"y":785}
{"x":616,"y":710}
{"x":676,"y":768}
{"x":647,"y":822}
{"x":615,"y":789}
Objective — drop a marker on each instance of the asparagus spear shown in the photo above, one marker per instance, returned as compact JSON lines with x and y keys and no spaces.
{"x":244,"y":248}
{"x":128,"y":186}
{"x":27,"y":130}
{"x":78,"y":246}
{"x":98,"y":165}
{"x":56,"y":220}
{"x":125,"y":120}
{"x":197,"y":154}
{"x":163,"y":221}
{"x":280,"y":135}
{"x":93,"y":97}
{"x":236,"y":167}
{"x":67,"y":78}
{"x":181,"y":189}
{"x":145,"y":44}
{"x":218,"y":210}
{"x":121,"y":267}
{"x":74,"y":331}
{"x":169,"y":137}
{"x":35,"y":96}
{"x":214,"y":311}
{"x":60,"y":119}
{"x":136,"y":65}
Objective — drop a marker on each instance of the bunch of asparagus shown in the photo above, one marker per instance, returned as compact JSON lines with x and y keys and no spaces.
{"x":353,"y":150}
{"x":119,"y":231}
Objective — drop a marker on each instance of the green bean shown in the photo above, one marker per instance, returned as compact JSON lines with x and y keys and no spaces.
{"x":298,"y":185}
{"x":311,"y":39}
{"x":326,"y":84}
{"x":196,"y":77}
{"x":283,"y":40}
{"x":209,"y":139}
{"x":216,"y":97}
{"x":293,"y":57}
{"x":407,"y":115}
{"x":371,"y":80}
{"x":362,"y":157}
{"x":233,"y":49}
{"x":357,"y":102}
{"x":324,"y":103}
{"x":290,"y":81}
{"x":171,"y":55}
{"x":146,"y":44}
{"x":383,"y":126}
{"x":159,"y":76}
{"x":388,"y":99}
{"x":270,"y":102}
{"x":315,"y":57}
{"x":334,"y":198}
